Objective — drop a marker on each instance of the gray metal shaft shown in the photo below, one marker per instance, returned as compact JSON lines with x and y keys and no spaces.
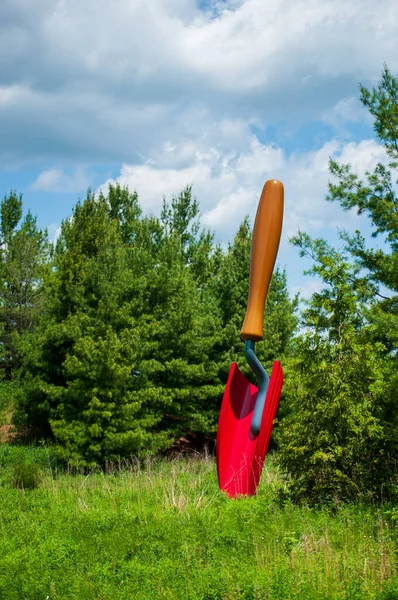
{"x":262,"y":383}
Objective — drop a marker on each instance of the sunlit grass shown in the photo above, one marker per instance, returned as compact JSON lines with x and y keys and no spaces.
{"x":162,"y":529}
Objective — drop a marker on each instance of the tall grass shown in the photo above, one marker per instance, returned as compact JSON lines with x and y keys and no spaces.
{"x":162,"y":530}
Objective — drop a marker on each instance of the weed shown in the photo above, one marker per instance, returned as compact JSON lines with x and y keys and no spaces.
{"x":151,"y":530}
{"x":25,"y":475}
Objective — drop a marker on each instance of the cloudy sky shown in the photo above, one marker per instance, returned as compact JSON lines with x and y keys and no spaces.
{"x":219,"y":94}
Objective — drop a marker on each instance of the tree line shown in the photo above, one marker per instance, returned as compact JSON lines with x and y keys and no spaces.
{"x":120,"y":335}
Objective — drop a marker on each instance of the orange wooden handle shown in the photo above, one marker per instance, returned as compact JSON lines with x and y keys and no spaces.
{"x":265,"y":243}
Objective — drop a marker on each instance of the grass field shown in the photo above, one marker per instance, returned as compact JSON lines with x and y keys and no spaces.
{"x":162,"y":530}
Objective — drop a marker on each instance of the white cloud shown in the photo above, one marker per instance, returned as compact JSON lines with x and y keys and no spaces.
{"x":109,"y":82}
{"x":228,"y":185}
{"x":363,"y":156}
{"x":54,"y":231}
{"x":171,"y":93}
{"x":229,"y":211}
{"x":310,"y":286}
{"x":10,"y":94}
{"x":346,"y":110}
{"x":56,"y":181}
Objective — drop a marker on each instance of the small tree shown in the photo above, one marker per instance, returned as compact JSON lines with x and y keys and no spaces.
{"x":125,"y":359}
{"x":376,"y":197}
{"x":24,"y":260}
{"x":181,"y":323}
{"x":336,"y":443}
{"x":341,"y":440}
{"x":79,"y":369}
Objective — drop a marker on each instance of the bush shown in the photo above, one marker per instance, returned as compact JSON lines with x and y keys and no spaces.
{"x":24,"y":466}
{"x":25,"y":475}
{"x":8,"y":393}
{"x":339,"y":442}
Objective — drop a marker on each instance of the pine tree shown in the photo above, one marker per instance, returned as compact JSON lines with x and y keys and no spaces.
{"x":335,"y":442}
{"x":376,"y":197}
{"x":341,"y":439}
{"x":79,"y":371}
{"x":179,"y":329}
{"x":125,"y":359}
{"x":24,"y":260}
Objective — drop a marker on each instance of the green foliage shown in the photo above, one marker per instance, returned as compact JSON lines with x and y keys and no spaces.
{"x":178,"y":331}
{"x":133,"y":342}
{"x":24,"y":259}
{"x":8,"y":395}
{"x":340,"y":441}
{"x":78,"y":369}
{"x":11,"y":214}
{"x":25,"y":475}
{"x":382,"y":103}
{"x":138,"y":323}
{"x":41,"y":455}
{"x":163,"y":530}
{"x":24,"y":467}
{"x":376,"y":197}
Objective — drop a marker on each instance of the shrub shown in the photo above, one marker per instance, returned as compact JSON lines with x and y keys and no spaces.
{"x":25,"y":474}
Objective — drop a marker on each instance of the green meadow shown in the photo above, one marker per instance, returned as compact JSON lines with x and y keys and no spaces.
{"x":161,"y":529}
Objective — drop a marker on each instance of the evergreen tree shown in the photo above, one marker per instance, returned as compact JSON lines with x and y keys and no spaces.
{"x":125,"y":359}
{"x":24,"y":259}
{"x":376,"y":197}
{"x":132,"y":346}
{"x":337,"y":443}
{"x":79,"y":372}
{"x":340,"y":441}
{"x":180,"y":330}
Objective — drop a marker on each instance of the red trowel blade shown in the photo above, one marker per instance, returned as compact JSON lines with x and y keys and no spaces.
{"x":240,"y":454}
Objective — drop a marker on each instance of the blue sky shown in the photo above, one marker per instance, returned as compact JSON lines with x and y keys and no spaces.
{"x":164,"y":93}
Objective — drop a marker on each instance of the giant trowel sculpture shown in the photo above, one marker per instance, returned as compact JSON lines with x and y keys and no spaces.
{"x":247,"y":412}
